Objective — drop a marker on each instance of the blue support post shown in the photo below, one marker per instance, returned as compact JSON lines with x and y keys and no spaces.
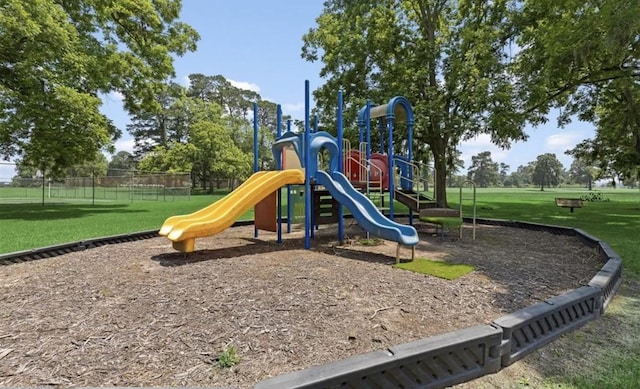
{"x":368,"y":128}
{"x":315,"y":129}
{"x":308,"y":211}
{"x":255,"y":153}
{"x":279,"y":167}
{"x":289,"y":206}
{"x":381,"y":132}
{"x":340,"y":135}
{"x":390,"y":119}
{"x":410,"y":156}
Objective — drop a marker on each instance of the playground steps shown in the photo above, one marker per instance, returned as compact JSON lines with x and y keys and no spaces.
{"x":325,"y":208}
{"x":362,"y":185}
{"x":413,"y":200}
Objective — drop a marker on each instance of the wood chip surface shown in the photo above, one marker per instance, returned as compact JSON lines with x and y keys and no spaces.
{"x":141,"y":314}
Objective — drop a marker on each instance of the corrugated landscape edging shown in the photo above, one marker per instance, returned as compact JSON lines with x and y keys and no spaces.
{"x":443,"y":360}
{"x":65,"y":248}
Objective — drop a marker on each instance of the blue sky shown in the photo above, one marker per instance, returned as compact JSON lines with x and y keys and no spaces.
{"x":257,"y":46}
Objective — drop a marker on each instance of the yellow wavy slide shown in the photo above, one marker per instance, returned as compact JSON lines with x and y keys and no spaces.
{"x":211,"y":220}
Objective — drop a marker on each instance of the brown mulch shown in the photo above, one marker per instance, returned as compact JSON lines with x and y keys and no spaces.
{"x":141,"y":314}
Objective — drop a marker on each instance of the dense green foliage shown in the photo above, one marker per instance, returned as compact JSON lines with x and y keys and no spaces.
{"x":58,"y":57}
{"x":450,"y":59}
{"x":483,"y":171}
{"x":205,"y":129}
{"x":582,"y":55}
{"x":547,"y":171}
{"x":488,"y":67}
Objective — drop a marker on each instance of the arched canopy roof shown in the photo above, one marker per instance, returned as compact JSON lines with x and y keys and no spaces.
{"x":398,"y":109}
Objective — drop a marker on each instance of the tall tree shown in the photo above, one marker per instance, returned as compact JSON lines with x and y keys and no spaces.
{"x":162,"y":124}
{"x":548,"y":170}
{"x":504,"y":172}
{"x":120,"y":162}
{"x":96,"y":167}
{"x":483,"y":171}
{"x":581,"y":172}
{"x":450,"y":59}
{"x":209,"y":149}
{"x":583,"y":56}
{"x":454,"y":164}
{"x":57,"y":57}
{"x":523,"y":175}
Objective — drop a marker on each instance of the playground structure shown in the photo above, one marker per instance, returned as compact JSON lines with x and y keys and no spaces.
{"x":391,"y":169}
{"x":297,"y":157}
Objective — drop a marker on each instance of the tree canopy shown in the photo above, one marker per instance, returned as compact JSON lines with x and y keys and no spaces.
{"x":58,"y":57}
{"x":449,"y":59}
{"x":488,"y":67}
{"x":547,"y":171}
{"x":483,"y":171}
{"x":584,"y":57}
{"x":205,"y":128}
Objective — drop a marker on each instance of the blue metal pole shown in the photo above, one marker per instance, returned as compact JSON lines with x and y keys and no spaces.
{"x":289,"y":206}
{"x":410,"y":156}
{"x":381,"y":131}
{"x":279,"y":167}
{"x":340,"y":135}
{"x":368,"y":128}
{"x":255,"y":153}
{"x":307,"y":166}
{"x":390,"y":162}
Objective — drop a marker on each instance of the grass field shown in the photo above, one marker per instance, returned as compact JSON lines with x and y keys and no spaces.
{"x":613,"y":357}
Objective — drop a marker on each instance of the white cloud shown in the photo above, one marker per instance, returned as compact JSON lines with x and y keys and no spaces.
{"x":244,"y":85}
{"x":563,"y":141}
{"x":115,"y":96}
{"x":185,"y":81}
{"x":125,"y":145}
{"x":480,"y":143}
{"x":296,"y":107}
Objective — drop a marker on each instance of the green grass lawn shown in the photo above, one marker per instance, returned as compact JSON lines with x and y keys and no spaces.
{"x":26,"y":226}
{"x":617,"y":221}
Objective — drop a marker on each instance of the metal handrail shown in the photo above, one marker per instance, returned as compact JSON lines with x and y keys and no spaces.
{"x":368,"y":180}
{"x":416,"y":168}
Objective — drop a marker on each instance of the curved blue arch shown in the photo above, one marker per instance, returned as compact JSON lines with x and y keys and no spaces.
{"x":288,"y":138}
{"x":402,"y":101}
{"x":319,"y":140}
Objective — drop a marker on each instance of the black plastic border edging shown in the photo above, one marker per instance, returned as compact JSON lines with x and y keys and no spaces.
{"x":447,"y":359}
{"x":435,"y":361}
{"x":522,"y":332}
{"x":65,"y":248}
{"x":60,"y":249}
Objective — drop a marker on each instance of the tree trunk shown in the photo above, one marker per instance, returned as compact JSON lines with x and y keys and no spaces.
{"x":440,"y":165}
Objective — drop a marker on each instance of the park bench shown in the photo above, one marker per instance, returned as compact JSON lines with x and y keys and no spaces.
{"x":569,"y":203}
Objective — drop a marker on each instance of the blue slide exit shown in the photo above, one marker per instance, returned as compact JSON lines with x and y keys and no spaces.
{"x":364,"y":211}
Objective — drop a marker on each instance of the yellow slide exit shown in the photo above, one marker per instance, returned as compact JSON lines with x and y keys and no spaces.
{"x":211,"y":220}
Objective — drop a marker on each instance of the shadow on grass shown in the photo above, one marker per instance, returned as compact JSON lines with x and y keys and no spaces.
{"x":60,"y":211}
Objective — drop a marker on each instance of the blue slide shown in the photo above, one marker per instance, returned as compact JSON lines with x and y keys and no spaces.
{"x":364,"y":211}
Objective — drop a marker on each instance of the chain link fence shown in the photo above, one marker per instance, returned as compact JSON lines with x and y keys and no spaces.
{"x":117,"y":185}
